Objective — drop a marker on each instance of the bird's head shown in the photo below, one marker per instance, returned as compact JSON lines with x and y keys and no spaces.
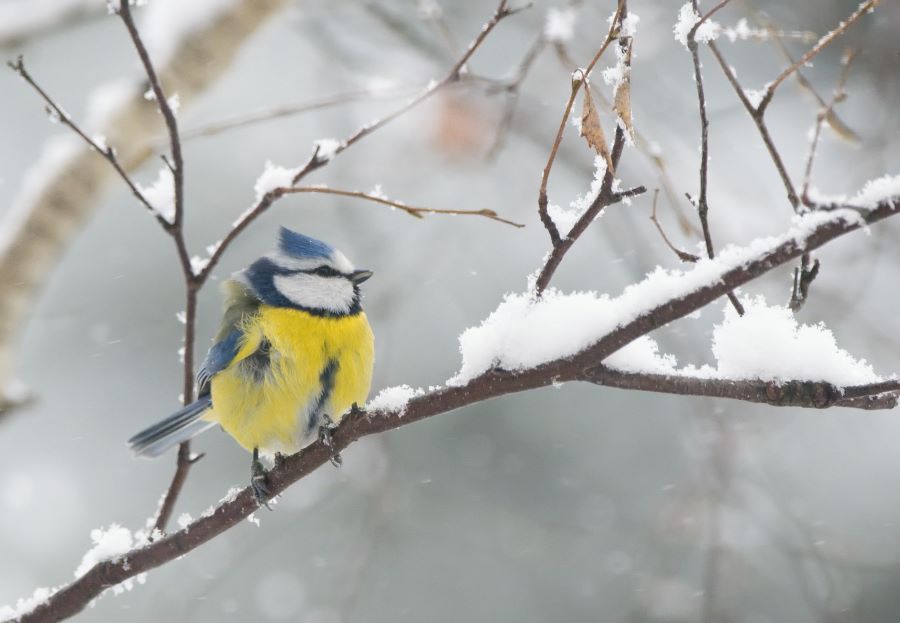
{"x":307,"y":274}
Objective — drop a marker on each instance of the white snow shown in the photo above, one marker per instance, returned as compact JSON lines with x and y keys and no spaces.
{"x":26,"y":604}
{"x":742,"y":31}
{"x":629,"y":24}
{"x":768,"y":343}
{"x":566,"y":219}
{"x":174,"y":102}
{"x":394,"y":398}
{"x":687,"y":18}
{"x":272,"y":177}
{"x":755,"y":96}
{"x":161,"y":194}
{"x":868,"y":197}
{"x":184,"y":520}
{"x":559,"y":25}
{"x":328,"y":147}
{"x":615,"y":75}
{"x":523,"y":333}
{"x":876,"y":191}
{"x":109,"y":543}
{"x":642,"y":355}
{"x":198,"y":264}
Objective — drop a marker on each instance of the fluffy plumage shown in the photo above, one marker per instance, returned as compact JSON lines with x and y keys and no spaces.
{"x":294,"y":347}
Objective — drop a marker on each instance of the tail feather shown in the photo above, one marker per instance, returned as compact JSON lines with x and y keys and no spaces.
{"x":178,"y":427}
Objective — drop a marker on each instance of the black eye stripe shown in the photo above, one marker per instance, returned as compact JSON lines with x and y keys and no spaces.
{"x":322,"y":271}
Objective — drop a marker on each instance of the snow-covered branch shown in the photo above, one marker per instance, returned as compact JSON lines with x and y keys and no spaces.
{"x":658,"y":300}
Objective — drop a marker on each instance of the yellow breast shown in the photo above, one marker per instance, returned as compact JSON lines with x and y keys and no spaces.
{"x":291,"y":368}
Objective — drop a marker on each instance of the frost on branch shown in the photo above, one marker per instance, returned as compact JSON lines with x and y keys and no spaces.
{"x":161,"y":194}
{"x":394,"y":398}
{"x":687,"y":18}
{"x":272,"y":177}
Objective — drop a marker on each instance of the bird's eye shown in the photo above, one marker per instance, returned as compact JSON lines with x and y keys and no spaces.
{"x":324,"y":271}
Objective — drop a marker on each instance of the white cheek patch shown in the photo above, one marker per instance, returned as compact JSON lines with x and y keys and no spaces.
{"x":334,"y":294}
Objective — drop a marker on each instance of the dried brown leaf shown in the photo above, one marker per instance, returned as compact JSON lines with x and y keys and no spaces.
{"x":622,"y":97}
{"x":840,"y":128}
{"x":591,"y":129}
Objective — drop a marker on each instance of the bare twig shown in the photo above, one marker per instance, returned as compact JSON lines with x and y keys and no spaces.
{"x":316,"y":160}
{"x":804,"y":394}
{"x":804,"y":275}
{"x":824,"y":42}
{"x":702,"y":202}
{"x":291,"y":110}
{"x":606,"y":196}
{"x":759,"y":120}
{"x":757,"y":111}
{"x":512,"y":89}
{"x":176,"y":166}
{"x":73,"y":597}
{"x":777,"y":36}
{"x":579,"y":78}
{"x":411,"y":210}
{"x":644,"y":146}
{"x":105,"y":151}
{"x":827,"y":110}
{"x":684,"y":256}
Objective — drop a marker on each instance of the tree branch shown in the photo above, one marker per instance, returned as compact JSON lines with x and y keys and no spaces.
{"x":72,"y":598}
{"x":805,"y":394}
{"x":411,"y":210}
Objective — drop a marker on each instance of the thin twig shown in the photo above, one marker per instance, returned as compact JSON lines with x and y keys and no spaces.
{"x":865,"y":7}
{"x":684,"y":256}
{"x":512,"y":89}
{"x":291,"y":110}
{"x":411,"y":210}
{"x":606,"y":196}
{"x":164,"y":108}
{"x":777,"y":36}
{"x":317,"y":161}
{"x":702,"y":203}
{"x":106,"y":152}
{"x":643,"y":145}
{"x":579,"y":77}
{"x":827,"y":110}
{"x":759,"y":120}
{"x":184,"y":460}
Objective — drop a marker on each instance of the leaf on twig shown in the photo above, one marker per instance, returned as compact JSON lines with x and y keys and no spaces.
{"x":622,"y":97}
{"x":591,"y":129}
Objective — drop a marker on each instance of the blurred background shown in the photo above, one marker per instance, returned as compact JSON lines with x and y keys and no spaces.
{"x":576,"y":503}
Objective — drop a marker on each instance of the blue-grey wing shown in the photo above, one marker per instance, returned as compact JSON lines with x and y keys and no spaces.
{"x":217,"y":359}
{"x":240,"y":303}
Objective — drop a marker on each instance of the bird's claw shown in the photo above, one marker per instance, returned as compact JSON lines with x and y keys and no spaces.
{"x":259,"y":483}
{"x":326,"y":436}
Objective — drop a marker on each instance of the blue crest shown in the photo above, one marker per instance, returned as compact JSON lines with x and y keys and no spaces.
{"x":302,"y":247}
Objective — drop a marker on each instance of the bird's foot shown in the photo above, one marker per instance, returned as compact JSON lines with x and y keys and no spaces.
{"x":258,"y":481}
{"x":326,"y":436}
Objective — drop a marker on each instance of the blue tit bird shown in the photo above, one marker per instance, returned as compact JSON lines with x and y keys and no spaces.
{"x":294,"y":353}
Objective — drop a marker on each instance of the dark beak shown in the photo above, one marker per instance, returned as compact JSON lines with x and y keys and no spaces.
{"x":358,"y":276}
